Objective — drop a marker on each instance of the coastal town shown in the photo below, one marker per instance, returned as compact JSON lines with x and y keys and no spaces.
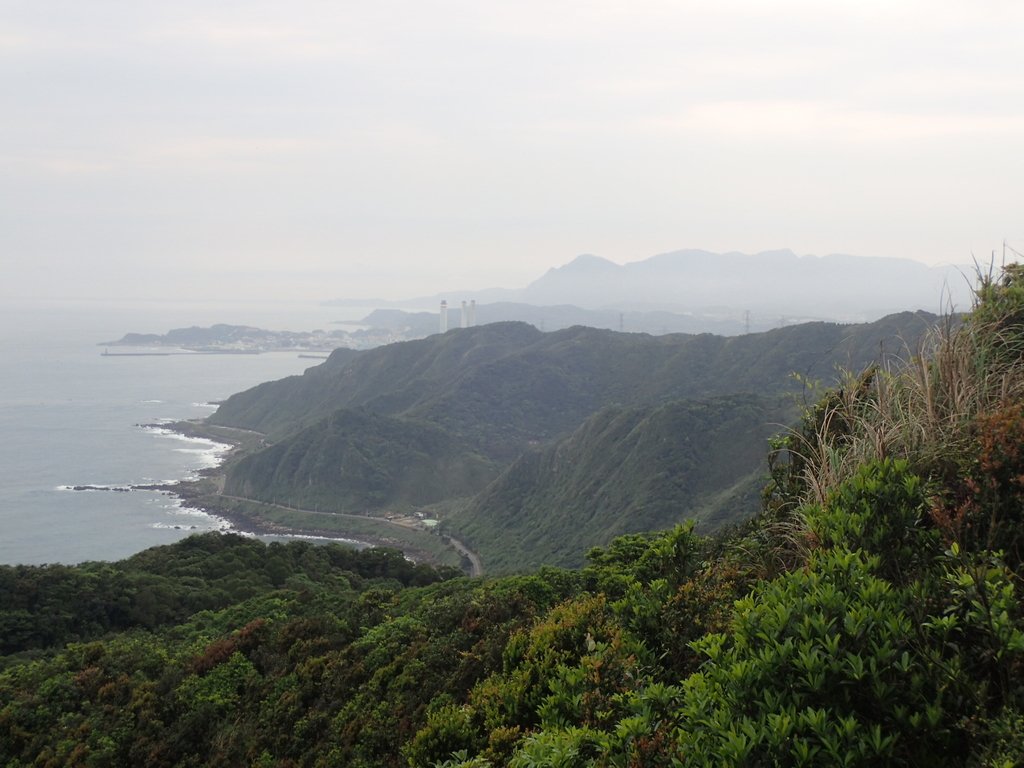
{"x":243,"y":339}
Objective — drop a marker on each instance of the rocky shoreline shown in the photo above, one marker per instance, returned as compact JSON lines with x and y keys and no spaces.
{"x":201,"y":493}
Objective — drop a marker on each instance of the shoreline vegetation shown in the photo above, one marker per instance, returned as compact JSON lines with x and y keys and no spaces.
{"x":260,"y":518}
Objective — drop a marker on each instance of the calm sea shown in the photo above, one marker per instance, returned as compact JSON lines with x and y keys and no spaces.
{"x":69,"y":416}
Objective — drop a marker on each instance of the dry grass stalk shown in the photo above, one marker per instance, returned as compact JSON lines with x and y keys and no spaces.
{"x":920,"y":408}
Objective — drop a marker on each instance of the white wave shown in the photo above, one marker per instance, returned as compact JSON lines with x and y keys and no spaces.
{"x":211,"y":406}
{"x":174,"y":527}
{"x":207,"y":459}
{"x":311,"y":537}
{"x":206,"y":453}
{"x":199,"y":519}
{"x":153,"y":401}
{"x":151,"y":481}
{"x":204,"y":441}
{"x":210,"y":452}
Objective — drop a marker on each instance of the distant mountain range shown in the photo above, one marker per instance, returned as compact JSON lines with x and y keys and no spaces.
{"x":775,"y":287}
{"x":776,"y":282}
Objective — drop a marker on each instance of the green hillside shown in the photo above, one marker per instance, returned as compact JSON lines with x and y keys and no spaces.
{"x":433,"y":421}
{"x":387,"y":380}
{"x":506,"y":384}
{"x":625,"y":470}
{"x":355,"y":460}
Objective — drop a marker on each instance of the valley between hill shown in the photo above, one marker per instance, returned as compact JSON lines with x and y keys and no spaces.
{"x":528,"y":448}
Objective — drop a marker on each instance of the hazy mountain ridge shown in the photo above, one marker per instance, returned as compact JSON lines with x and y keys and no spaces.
{"x":774,"y":282}
{"x":775,"y":287}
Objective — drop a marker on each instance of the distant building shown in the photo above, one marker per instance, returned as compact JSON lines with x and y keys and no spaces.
{"x":467,"y":317}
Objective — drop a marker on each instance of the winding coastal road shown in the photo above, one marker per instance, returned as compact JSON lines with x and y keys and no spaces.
{"x":476,"y":566}
{"x":475,"y":563}
{"x":232,"y":435}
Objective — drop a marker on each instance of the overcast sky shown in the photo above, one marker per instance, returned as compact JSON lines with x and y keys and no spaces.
{"x":330,"y":148}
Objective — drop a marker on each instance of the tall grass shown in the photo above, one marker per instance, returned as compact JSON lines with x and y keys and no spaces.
{"x":921,"y":406}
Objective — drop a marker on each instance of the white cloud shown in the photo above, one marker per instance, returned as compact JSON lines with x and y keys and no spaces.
{"x":224,"y":150}
{"x":263,"y":40}
{"x":501,"y":139}
{"x":836,"y":124}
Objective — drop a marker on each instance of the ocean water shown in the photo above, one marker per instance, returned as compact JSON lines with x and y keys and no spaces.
{"x":69,"y":416}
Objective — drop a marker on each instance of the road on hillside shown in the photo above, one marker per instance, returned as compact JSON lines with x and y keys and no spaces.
{"x":476,"y":566}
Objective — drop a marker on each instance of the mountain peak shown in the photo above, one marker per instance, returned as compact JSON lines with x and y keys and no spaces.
{"x":587,"y":262}
{"x":775,"y":282}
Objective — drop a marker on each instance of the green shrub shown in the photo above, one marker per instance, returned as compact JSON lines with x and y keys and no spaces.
{"x":882,"y":510}
{"x":448,"y":732}
{"x":820,"y":668}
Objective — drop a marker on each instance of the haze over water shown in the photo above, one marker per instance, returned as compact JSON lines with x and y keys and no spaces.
{"x":69,"y":416}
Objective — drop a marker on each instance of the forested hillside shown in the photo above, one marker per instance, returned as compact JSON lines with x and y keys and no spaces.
{"x":625,"y":470}
{"x":357,"y":460}
{"x":433,"y":422}
{"x":869,"y":615}
{"x":388,"y":380}
{"x":509,"y":382}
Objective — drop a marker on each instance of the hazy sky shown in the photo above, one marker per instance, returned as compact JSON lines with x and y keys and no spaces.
{"x":332,"y":148}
